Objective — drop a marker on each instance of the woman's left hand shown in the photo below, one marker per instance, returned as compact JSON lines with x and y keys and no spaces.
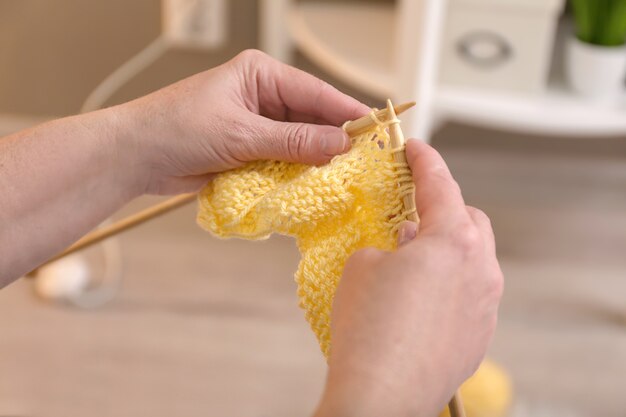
{"x":250,"y":108}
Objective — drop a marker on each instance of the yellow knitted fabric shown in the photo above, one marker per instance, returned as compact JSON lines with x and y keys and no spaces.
{"x":355,"y":201}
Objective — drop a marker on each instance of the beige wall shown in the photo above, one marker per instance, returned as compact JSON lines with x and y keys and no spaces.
{"x":53,"y":52}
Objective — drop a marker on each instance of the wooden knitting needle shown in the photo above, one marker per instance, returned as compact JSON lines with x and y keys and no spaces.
{"x":365,"y":123}
{"x":143,"y":216}
{"x":353,"y":128}
{"x":396,"y":138}
{"x":456,"y":405}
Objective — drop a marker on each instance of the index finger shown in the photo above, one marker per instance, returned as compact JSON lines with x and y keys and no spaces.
{"x":438,"y":197}
{"x":293,"y":95}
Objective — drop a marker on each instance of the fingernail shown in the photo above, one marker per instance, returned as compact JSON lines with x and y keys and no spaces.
{"x":406,"y":232}
{"x":334,"y":143}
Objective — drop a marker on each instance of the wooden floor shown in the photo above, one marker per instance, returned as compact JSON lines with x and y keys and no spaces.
{"x":209,"y":327}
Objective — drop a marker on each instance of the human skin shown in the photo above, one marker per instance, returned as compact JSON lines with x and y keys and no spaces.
{"x":408,"y":327}
{"x":440,"y":292}
{"x":61,"y":179}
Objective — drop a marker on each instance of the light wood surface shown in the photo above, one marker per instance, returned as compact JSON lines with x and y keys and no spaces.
{"x":129,"y":222}
{"x":205,"y":326}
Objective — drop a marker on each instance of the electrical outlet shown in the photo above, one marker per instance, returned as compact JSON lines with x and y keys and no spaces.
{"x":195,"y":23}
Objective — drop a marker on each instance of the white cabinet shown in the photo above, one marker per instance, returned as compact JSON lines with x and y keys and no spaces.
{"x":503,"y":44}
{"x":392,"y":51}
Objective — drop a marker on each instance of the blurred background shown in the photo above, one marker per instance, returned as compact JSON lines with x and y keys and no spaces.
{"x":524,"y":99}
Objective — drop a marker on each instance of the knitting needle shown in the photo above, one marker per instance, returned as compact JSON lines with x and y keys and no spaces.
{"x":396,"y":138}
{"x":353,"y":128}
{"x":456,"y":405}
{"x":365,"y":123}
{"x":143,"y":216}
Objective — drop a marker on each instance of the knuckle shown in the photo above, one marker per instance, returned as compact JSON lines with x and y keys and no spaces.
{"x":493,"y":323}
{"x":496,"y":284}
{"x":474,"y":365}
{"x":371,"y":253}
{"x":297,"y":141}
{"x":365,"y":256}
{"x":243,"y":142}
{"x":440,"y":173}
{"x":467,"y":238}
{"x":352,"y":263}
{"x":322,"y":88}
{"x":479,"y":214}
{"x":250,"y":55}
{"x":454,"y":184}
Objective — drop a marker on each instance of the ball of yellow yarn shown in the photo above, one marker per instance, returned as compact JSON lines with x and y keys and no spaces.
{"x":488,"y":393}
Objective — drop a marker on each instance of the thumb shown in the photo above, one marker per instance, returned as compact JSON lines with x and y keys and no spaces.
{"x":301,"y":142}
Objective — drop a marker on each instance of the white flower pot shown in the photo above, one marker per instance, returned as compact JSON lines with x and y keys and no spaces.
{"x":596,"y":71}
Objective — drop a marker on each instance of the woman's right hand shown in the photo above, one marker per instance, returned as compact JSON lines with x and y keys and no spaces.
{"x":409,"y":327}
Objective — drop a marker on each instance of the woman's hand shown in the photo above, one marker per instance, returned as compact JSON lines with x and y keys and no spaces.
{"x":409,"y":327}
{"x":62,"y":178}
{"x":250,"y":108}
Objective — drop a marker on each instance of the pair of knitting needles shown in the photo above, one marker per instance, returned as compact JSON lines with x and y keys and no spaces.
{"x":353,"y":128}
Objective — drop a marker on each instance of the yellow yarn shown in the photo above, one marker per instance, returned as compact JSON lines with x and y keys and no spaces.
{"x":355,"y":201}
{"x":487,"y":393}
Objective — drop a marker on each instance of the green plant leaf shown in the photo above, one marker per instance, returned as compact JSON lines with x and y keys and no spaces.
{"x":600,"y":22}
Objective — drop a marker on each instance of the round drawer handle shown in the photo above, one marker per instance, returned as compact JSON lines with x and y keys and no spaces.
{"x":484,"y":49}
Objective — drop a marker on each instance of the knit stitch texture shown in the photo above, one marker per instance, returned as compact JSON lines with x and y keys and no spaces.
{"x":353,"y":202}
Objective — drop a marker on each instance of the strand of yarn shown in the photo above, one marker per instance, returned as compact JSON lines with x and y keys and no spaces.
{"x":353,"y":202}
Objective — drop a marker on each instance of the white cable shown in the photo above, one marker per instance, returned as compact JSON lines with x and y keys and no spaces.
{"x":106,"y":289}
{"x":124,"y":73}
